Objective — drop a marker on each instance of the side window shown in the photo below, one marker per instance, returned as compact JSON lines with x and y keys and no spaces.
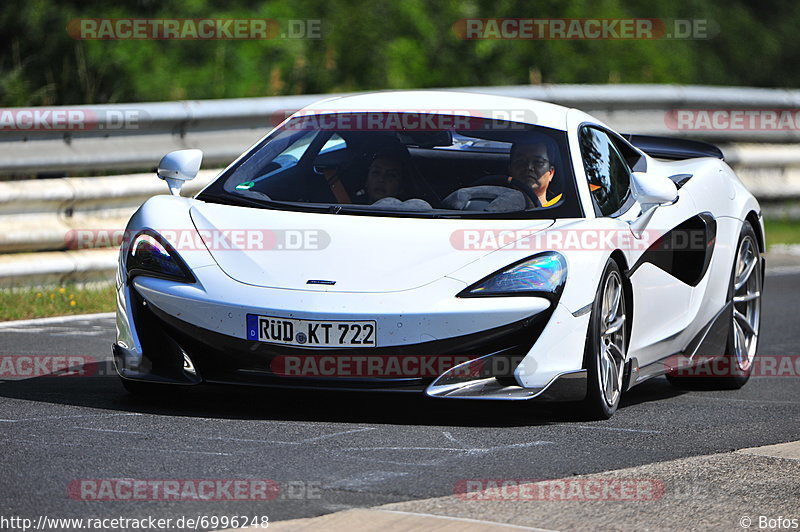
{"x":608,"y":174}
{"x":334,"y":143}
{"x":295,"y":150}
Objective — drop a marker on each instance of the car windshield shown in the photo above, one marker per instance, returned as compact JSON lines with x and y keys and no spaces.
{"x":405,"y":164}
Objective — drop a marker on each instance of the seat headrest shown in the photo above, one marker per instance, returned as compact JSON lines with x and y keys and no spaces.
{"x":413,"y":204}
{"x":486,"y":198}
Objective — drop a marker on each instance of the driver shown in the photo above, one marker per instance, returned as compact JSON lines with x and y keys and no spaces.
{"x":531,"y":166}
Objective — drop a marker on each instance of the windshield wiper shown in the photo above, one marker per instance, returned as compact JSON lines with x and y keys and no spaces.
{"x":244,"y":201}
{"x":361,"y":210}
{"x":369,"y":211}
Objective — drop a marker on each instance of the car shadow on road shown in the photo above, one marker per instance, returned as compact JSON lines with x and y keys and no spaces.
{"x":657,"y":389}
{"x":97,"y":386}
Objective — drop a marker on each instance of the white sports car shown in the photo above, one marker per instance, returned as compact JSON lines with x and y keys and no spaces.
{"x":458,"y":245}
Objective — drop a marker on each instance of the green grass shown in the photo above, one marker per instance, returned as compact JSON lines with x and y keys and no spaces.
{"x":24,"y":303}
{"x":782,"y":232}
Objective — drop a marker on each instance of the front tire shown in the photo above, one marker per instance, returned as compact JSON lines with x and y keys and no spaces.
{"x":606,"y":346}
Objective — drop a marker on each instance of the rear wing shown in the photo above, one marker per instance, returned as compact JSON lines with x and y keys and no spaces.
{"x":672,"y":148}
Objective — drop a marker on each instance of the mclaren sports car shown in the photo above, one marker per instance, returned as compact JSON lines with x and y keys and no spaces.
{"x":458,"y":245}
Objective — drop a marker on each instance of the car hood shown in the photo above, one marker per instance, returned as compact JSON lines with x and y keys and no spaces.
{"x":341,"y":253}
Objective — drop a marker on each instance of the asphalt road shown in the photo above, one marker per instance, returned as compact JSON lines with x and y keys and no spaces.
{"x":334,"y":451}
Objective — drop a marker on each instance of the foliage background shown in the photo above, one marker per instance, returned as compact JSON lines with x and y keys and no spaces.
{"x":378,"y":45}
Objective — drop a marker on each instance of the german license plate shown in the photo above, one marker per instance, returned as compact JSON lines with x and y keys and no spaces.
{"x":311,"y":333}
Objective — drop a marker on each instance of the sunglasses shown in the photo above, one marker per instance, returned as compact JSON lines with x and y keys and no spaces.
{"x":524,"y":162}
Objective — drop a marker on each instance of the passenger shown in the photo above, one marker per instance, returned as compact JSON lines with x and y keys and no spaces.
{"x":387,"y":176}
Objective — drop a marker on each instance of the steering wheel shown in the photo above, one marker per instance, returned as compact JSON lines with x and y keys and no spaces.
{"x":514,"y":182}
{"x":527,"y":190}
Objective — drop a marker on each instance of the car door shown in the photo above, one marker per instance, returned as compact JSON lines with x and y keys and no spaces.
{"x":661,"y":301}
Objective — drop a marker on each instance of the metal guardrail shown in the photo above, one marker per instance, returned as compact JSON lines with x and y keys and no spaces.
{"x":40,"y":220}
{"x":37,"y":216}
{"x":40,"y":215}
{"x":224,"y":128}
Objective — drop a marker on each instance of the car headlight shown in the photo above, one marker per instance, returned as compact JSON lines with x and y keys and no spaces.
{"x":540,"y":275}
{"x":151,"y":255}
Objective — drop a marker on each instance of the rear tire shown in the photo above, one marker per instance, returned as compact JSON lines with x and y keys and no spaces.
{"x":606,"y":346}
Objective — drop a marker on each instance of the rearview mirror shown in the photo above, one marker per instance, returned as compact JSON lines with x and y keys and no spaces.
{"x":179,"y":166}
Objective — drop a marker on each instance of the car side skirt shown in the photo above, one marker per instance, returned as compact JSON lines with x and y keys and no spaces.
{"x":708,"y":344}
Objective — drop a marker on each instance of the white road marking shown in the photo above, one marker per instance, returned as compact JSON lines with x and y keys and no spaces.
{"x":245,"y":440}
{"x":112,"y":430}
{"x":510,"y":446}
{"x":335,"y":434}
{"x":364,"y":480}
{"x":468,"y":520}
{"x":769,"y":401}
{"x":209,"y":438}
{"x":450,"y":452}
{"x":66,"y":417}
{"x":453,"y":439}
{"x":148,"y":449}
{"x":457,"y":449}
{"x":220,"y":438}
{"x":56,"y":320}
{"x":616,"y":429}
{"x":282,"y":442}
{"x":78,"y":333}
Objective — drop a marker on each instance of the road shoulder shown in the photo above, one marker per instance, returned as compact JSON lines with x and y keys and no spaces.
{"x":725,"y":491}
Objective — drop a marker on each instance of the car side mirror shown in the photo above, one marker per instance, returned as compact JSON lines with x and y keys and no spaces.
{"x":179,"y":166}
{"x":653,"y":190}
{"x":650,"y":191}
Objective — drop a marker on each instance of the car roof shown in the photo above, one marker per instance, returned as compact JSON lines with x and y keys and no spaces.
{"x":449,"y":102}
